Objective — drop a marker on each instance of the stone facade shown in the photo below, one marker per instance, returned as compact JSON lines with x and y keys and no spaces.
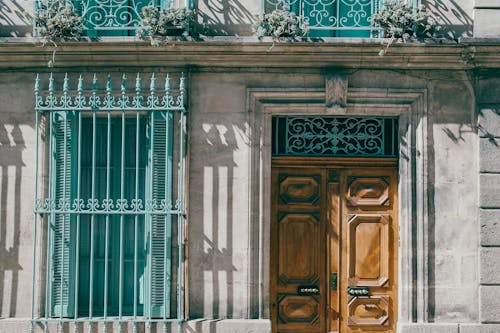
{"x":447,"y":95}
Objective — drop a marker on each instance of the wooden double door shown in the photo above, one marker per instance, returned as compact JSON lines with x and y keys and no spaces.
{"x":334,"y":247}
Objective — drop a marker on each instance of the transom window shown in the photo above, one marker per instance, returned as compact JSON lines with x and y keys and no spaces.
{"x":335,"y":136}
{"x":113,"y":205}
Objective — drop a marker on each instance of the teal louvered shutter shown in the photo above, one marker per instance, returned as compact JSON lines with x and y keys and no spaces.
{"x":61,"y":228}
{"x":160,"y":225}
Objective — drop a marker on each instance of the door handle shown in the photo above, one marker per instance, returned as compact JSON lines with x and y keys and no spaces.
{"x":333,"y":281}
{"x":358,"y":291}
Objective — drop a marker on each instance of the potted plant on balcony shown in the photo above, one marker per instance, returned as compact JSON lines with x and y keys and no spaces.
{"x":400,"y":21}
{"x":57,"y":21}
{"x":280,"y":24}
{"x":157,"y":24}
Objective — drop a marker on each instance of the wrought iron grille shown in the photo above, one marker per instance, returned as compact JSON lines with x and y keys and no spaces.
{"x":112,"y":15}
{"x":115,"y":17}
{"x":335,"y":136}
{"x":333,"y":18}
{"x":112,"y":210}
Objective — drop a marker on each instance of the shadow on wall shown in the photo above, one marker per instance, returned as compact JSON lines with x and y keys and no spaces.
{"x":219,"y":253}
{"x":14,"y":20}
{"x":11,"y":164}
{"x":223,"y":18}
{"x":455,"y":22}
{"x":485,"y":133}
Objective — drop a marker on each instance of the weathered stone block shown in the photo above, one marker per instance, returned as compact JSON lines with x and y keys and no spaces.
{"x":489,"y":220}
{"x":475,"y":328}
{"x":489,"y":123}
{"x":489,"y":259}
{"x":428,"y":328}
{"x":489,"y":190}
{"x":487,"y":3}
{"x":486,"y":23}
{"x":489,"y":304}
{"x":489,"y":155}
{"x":229,"y":326}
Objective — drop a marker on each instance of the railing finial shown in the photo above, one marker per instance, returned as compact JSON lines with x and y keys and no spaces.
{"x":66,"y":84}
{"x":182,"y":85}
{"x":80,"y":84}
{"x":138,"y":84}
{"x":37,"y":84}
{"x":51,"y":84}
{"x":167,"y":85}
{"x":94,"y":83}
{"x":124,"y":84}
{"x":152,"y":86}
{"x":108,"y":85}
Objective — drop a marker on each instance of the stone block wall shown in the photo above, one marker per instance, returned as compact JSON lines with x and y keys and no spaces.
{"x":489,"y":216}
{"x":486,"y":14}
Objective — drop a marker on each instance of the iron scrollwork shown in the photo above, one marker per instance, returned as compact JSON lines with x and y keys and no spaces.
{"x":335,"y":136}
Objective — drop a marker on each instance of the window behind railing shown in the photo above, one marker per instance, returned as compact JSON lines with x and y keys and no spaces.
{"x":112,"y":209}
{"x":114,"y":17}
{"x":333,"y":18}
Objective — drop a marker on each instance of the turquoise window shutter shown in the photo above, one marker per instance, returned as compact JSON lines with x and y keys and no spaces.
{"x":159,"y":235}
{"x":61,"y":228}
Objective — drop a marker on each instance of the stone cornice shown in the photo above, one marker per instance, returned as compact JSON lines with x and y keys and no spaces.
{"x":226,"y":53}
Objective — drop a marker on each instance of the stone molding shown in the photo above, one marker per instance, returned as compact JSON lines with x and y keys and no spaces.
{"x":19,"y":54}
{"x":411,"y":107}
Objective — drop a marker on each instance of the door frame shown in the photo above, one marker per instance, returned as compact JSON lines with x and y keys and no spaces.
{"x":410,"y":105}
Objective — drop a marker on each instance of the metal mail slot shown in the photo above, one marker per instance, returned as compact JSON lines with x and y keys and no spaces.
{"x":358,"y":291}
{"x":308,"y":290}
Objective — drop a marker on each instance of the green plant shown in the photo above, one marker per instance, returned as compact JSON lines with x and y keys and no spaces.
{"x":280,"y":24}
{"x":401,"y":21}
{"x":57,"y":21}
{"x":156,"y":22}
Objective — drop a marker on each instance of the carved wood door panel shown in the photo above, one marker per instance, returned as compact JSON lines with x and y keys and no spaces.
{"x":333,"y":249}
{"x":369,"y":250}
{"x":298,"y":250}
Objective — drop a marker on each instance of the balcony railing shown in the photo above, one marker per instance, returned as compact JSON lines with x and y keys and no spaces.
{"x":115,"y":17}
{"x":333,"y":18}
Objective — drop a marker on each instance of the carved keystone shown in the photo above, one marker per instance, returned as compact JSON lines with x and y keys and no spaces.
{"x":336,"y":91}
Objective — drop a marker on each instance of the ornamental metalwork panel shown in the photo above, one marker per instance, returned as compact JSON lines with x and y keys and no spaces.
{"x":335,"y":136}
{"x":332,"y":15}
{"x":112,"y":201}
{"x":114,"y":17}
{"x":112,"y":14}
{"x":131,"y":96}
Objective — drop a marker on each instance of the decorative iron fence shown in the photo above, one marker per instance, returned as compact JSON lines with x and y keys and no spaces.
{"x":111,"y":211}
{"x":333,"y":18}
{"x":115,"y":17}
